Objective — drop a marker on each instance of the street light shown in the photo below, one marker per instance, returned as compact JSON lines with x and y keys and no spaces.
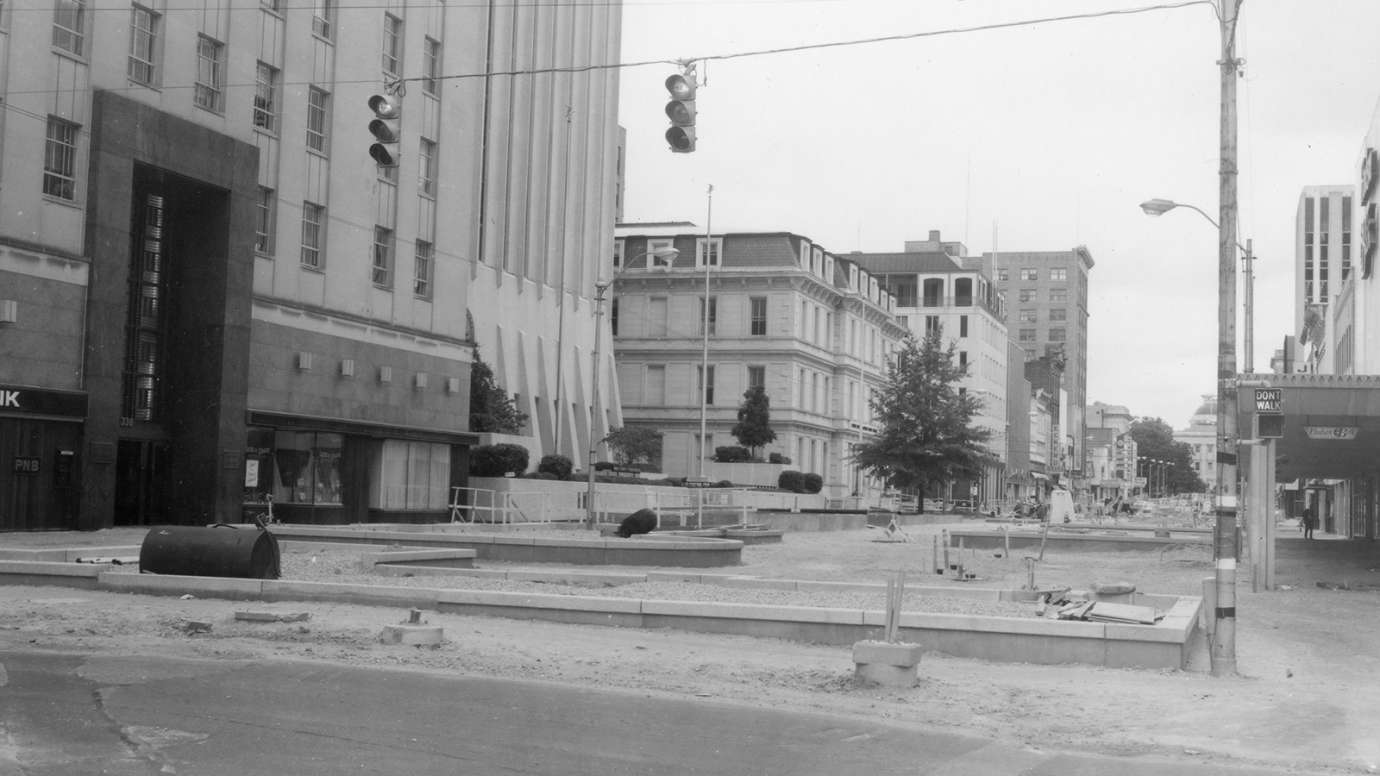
{"x":665,"y":257}
{"x":1158,"y":207}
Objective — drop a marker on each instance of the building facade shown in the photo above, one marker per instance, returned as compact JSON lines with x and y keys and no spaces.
{"x":1201,"y":437}
{"x":1324,"y":250}
{"x":214,"y":296}
{"x":1047,"y":296}
{"x":814,"y":329}
{"x":937,"y":288}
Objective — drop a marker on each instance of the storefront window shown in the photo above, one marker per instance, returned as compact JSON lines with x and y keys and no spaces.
{"x":297,"y":467}
{"x":411,"y":475}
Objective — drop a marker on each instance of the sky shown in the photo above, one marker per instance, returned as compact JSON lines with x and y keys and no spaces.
{"x":1037,"y":137}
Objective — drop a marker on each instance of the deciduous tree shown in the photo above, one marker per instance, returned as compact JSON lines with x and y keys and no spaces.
{"x":753,"y":429}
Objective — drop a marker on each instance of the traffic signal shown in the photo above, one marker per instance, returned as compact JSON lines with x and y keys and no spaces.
{"x":386,"y":129}
{"x":1270,"y":426}
{"x":681,"y":111}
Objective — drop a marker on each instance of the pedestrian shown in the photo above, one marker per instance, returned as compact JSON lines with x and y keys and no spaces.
{"x":1310,"y":521}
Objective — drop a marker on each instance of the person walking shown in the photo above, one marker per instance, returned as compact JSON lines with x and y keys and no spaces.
{"x":1310,"y":521}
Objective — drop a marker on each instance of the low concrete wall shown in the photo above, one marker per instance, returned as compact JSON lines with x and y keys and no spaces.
{"x":687,"y":551}
{"x":989,"y":539}
{"x":1005,"y":639}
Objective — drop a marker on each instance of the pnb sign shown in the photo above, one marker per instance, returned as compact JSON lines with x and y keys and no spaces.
{"x":1269,"y":412}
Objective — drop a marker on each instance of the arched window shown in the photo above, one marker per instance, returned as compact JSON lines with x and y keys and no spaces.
{"x":963,"y":292}
{"x":934,"y":292}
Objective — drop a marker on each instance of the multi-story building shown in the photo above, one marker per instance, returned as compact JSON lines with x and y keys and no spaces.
{"x":213,"y":295}
{"x":1046,"y":293}
{"x":813,"y":328}
{"x":1323,"y":250}
{"x":1111,"y":452}
{"x":937,"y":288}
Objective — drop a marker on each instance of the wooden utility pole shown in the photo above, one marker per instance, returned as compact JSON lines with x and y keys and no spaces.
{"x":1222,"y":650}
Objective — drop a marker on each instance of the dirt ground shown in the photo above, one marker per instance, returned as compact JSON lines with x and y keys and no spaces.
{"x":1304,"y":698}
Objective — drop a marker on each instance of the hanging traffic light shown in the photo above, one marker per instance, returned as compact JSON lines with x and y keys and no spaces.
{"x":681,"y":111}
{"x":386,"y":129}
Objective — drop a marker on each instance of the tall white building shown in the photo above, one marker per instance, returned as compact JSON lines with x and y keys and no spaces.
{"x":1324,"y":252}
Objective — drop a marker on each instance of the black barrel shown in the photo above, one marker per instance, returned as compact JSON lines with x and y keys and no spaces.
{"x":220,"y":550}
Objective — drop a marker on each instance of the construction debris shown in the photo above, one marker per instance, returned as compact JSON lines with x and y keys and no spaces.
{"x":1102,"y":611}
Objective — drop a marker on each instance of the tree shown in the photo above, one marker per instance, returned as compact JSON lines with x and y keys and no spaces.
{"x":926,"y":432}
{"x":635,"y":444}
{"x":491,"y":408}
{"x":754,"y":419}
{"x":1155,"y":439}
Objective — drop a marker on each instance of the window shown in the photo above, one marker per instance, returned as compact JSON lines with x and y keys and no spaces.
{"x":1027,"y":335}
{"x":1057,"y":335}
{"x":656,"y":316}
{"x":657,"y":246}
{"x":1058,"y":314}
{"x":323,"y":22}
{"x":318,"y":119}
{"x":758,"y":316}
{"x":426,"y":167}
{"x":313,"y":234}
{"x":1029,"y":315}
{"x":307,"y":469}
{"x":1059,"y":274}
{"x":69,"y":26}
{"x":757,"y":377}
{"x":422,"y":268}
{"x":143,"y":50}
{"x":1026,"y":295}
{"x":1030,"y":273}
{"x":713,"y":314}
{"x":276,"y":6}
{"x":931,"y":324}
{"x":412,"y":475}
{"x":392,"y":45}
{"x":962,"y":325}
{"x":210,"y":74}
{"x":707,"y":389}
{"x":656,"y":385}
{"x":382,"y":265}
{"x":266,"y":98}
{"x":618,"y":249}
{"x":613,"y":317}
{"x":1059,"y":295}
{"x":1003,"y":274}
{"x":933,"y":292}
{"x":708,"y":250}
{"x":431,"y":65}
{"x":264,"y":224}
{"x":60,"y":159}
{"x":963,"y":292}
{"x":963,"y":360}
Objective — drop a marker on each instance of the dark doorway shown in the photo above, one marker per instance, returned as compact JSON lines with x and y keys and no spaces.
{"x":141,"y":480}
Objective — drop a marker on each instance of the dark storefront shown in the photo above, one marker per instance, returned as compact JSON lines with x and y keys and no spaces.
{"x":40,"y":438}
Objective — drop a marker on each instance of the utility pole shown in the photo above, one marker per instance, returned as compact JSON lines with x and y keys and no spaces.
{"x":1248,"y":278}
{"x":704,"y":353}
{"x":1222,"y":650}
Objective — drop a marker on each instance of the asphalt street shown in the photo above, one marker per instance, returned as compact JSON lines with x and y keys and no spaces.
{"x":72,"y":714}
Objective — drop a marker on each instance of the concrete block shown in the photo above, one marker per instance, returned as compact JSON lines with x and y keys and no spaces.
{"x":413,"y":635}
{"x":886,"y":663}
{"x":48,"y":568}
{"x":176,"y":584}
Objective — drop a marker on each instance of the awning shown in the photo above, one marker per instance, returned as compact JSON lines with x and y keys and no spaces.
{"x":1331,"y":424}
{"x":1038,"y":476}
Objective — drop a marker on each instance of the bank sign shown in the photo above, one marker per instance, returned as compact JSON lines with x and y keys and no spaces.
{"x":32,"y":401}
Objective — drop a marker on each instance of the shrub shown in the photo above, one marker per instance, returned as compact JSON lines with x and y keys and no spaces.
{"x":731,"y":454}
{"x":791,"y":480}
{"x":724,"y":484}
{"x":540,"y":475}
{"x":813,"y":483}
{"x":498,"y":460}
{"x":778,"y":458}
{"x":558,"y":465}
{"x":603,"y":466}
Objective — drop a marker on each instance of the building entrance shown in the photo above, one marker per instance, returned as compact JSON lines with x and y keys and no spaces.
{"x":141,"y":482}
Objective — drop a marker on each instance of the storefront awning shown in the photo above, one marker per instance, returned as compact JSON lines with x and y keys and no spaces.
{"x":1331,"y":424}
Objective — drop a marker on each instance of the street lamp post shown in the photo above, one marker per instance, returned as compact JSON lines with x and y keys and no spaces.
{"x":1222,"y":650}
{"x":665,"y":257}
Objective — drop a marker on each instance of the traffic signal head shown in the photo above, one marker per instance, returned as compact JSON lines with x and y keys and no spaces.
{"x":681,"y":111}
{"x":1270,"y":426}
{"x":385,"y":129}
